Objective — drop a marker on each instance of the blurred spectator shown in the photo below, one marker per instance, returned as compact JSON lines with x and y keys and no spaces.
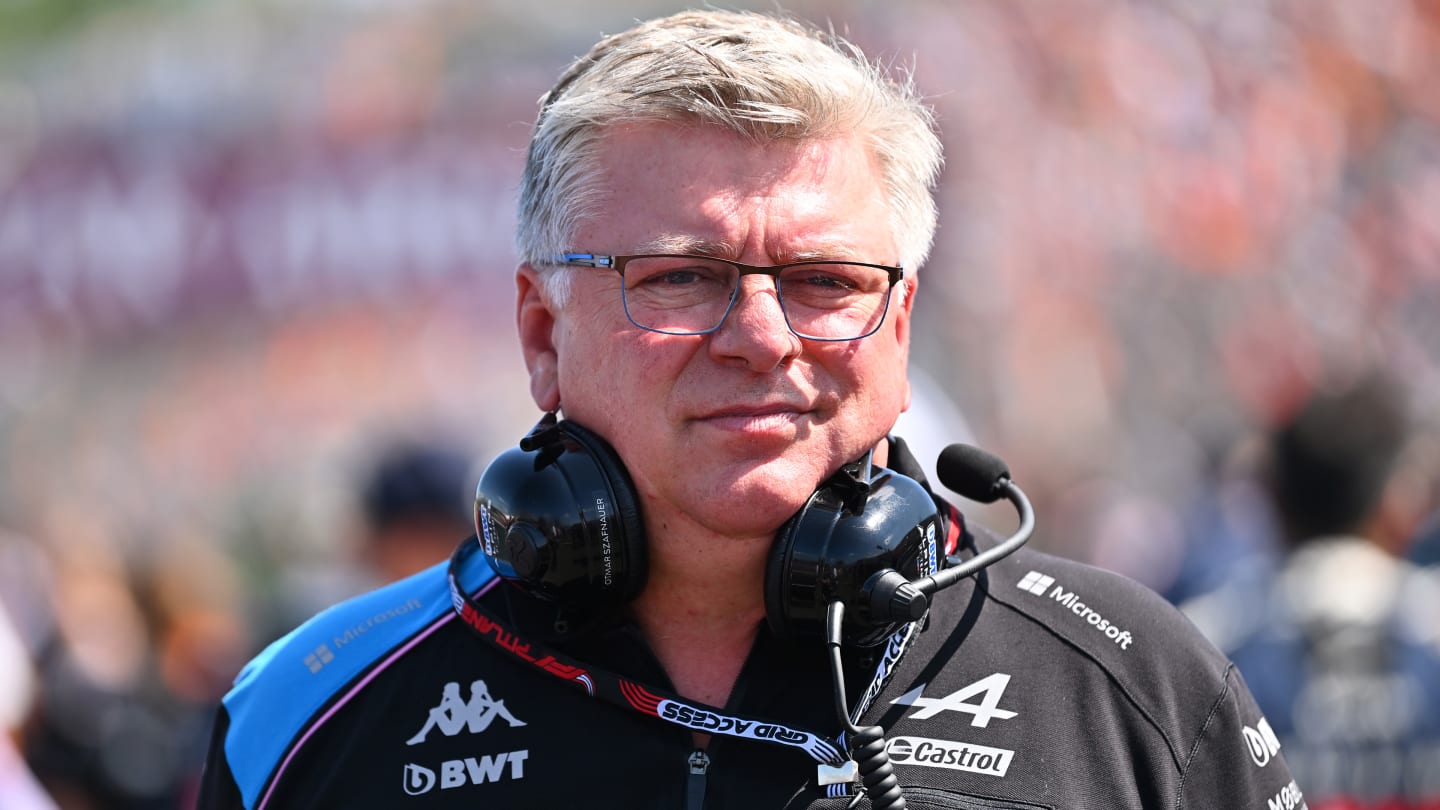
{"x":416,"y":504}
{"x":1341,"y":648}
{"x":18,"y":788}
{"x":1231,"y":532}
{"x":1426,"y":548}
{"x":139,"y":649}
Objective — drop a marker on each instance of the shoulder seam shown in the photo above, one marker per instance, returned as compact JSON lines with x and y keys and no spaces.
{"x":1200,"y":737}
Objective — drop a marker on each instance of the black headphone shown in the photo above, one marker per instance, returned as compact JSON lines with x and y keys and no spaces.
{"x":558,"y":516}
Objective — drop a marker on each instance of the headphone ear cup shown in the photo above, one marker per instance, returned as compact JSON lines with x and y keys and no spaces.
{"x":829,"y":552}
{"x":628,"y":530}
{"x":778,"y":579}
{"x":558,"y":517}
{"x":795,"y":597}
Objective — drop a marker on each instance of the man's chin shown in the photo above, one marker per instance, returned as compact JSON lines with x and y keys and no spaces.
{"x":765,"y":497}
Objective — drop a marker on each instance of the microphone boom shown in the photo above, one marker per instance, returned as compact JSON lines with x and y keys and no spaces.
{"x":981,"y":477}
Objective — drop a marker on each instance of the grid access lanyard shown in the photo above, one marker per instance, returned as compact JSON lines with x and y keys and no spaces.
{"x":669,"y":707}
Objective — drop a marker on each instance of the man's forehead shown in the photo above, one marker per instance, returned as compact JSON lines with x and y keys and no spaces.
{"x":704,"y":190}
{"x":825,"y":248}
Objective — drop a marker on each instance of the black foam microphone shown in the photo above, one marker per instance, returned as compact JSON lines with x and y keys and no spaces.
{"x":972,"y":472}
{"x":981,"y":477}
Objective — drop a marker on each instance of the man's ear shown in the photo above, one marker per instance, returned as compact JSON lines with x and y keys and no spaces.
{"x":535,"y":319}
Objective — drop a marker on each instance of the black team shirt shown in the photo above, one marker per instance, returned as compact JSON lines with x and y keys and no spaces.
{"x":1039,"y":683}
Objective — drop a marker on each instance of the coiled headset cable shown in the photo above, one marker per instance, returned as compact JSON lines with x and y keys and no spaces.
{"x":867,"y":742}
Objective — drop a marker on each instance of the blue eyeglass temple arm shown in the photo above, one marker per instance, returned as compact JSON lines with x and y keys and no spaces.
{"x":585,"y":260}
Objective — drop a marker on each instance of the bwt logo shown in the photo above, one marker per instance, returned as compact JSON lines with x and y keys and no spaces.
{"x":418,"y":779}
{"x":456,"y":773}
{"x":1261,"y":741}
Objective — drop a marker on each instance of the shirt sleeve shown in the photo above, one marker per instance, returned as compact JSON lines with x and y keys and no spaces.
{"x":1237,"y":763}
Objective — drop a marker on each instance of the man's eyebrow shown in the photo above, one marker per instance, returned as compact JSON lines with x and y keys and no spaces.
{"x":688,"y":245}
{"x":834,"y":251}
{"x":692,"y":246}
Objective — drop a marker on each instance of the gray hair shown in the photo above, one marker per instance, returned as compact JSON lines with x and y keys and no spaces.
{"x":757,"y":75}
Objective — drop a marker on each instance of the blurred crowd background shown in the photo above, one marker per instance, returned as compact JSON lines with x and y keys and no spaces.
{"x":256,"y":325}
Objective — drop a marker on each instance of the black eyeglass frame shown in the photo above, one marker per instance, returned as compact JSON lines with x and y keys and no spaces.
{"x":617,"y":263}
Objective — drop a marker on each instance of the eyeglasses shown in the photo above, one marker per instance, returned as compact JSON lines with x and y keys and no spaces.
{"x":675,"y":294}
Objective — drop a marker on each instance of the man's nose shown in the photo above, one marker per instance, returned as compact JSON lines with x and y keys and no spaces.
{"x":755,"y":330}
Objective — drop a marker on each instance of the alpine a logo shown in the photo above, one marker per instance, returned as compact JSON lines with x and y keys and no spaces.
{"x":980,"y":700}
{"x":455,"y":713}
{"x":455,"y":773}
{"x":956,"y":756}
{"x":1040,"y":585}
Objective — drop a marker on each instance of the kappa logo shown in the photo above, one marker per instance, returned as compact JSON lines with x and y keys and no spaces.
{"x":989,"y":690}
{"x":455,"y":713}
{"x":1261,"y":741}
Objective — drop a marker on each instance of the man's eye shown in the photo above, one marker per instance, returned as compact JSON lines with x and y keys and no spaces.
{"x":828,"y":280}
{"x":675,"y":277}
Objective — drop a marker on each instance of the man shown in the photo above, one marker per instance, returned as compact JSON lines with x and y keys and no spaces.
{"x":673,"y":170}
{"x":1341,"y":645}
{"x":413,"y":504}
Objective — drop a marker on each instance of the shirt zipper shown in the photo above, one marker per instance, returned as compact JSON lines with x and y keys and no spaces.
{"x":699,"y":763}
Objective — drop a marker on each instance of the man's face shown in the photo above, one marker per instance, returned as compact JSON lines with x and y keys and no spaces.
{"x":734,"y":429}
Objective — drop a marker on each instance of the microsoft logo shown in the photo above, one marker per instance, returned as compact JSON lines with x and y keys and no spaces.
{"x":1039,"y":584}
{"x":1036,"y":583}
{"x":318,"y":659}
